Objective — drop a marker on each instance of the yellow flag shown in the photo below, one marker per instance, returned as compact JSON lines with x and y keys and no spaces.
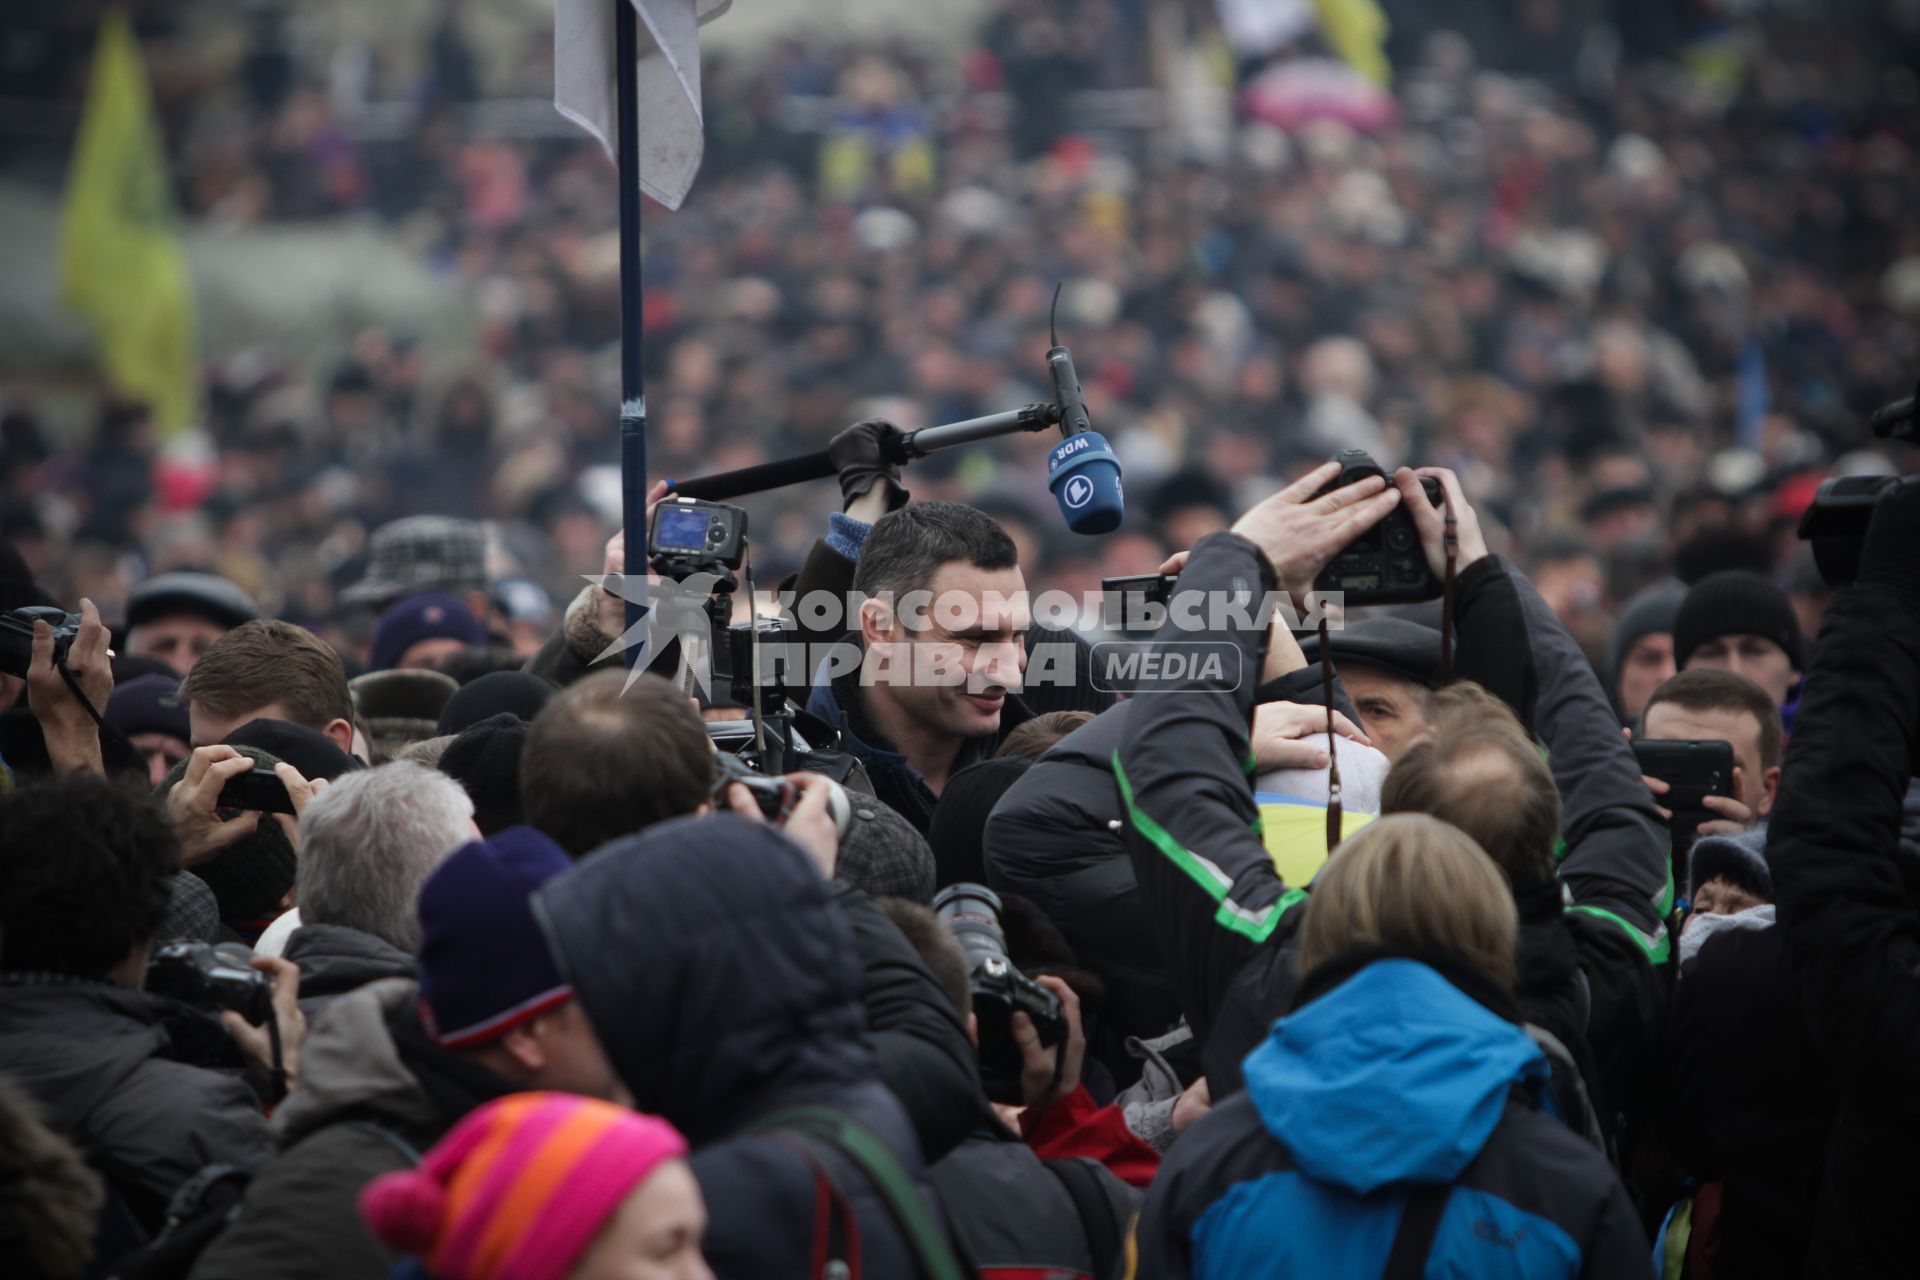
{"x":1356,"y":30}
{"x":120,"y":266}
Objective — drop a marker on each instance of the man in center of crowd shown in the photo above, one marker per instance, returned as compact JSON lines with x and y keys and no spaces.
{"x":942,"y":619}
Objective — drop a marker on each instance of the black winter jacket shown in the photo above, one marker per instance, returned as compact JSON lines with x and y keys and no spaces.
{"x":1849,"y":901}
{"x":1085,"y":884}
{"x":371,"y":1085}
{"x":895,"y":781}
{"x":1013,"y":1215}
{"x":1748,"y":1100}
{"x":103,"y":1063}
{"x":725,"y":986}
{"x":1227,"y":921}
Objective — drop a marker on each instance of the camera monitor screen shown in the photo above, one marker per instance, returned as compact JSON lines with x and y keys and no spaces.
{"x":681,"y":528}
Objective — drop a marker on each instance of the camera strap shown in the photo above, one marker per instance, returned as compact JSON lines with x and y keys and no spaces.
{"x":1334,"y":821}
{"x":1450,"y":541}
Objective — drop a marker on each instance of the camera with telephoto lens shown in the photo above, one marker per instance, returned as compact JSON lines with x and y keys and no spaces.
{"x":16,"y":636}
{"x":691,"y":536}
{"x":1384,"y":565}
{"x":972,"y":912}
{"x":211,"y":978}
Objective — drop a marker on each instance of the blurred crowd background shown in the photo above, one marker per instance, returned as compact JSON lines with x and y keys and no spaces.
{"x":1637,"y":270}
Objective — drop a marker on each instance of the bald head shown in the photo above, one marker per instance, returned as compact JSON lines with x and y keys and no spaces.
{"x":1488,"y":780}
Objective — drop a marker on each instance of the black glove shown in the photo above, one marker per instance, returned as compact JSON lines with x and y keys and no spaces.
{"x":863,"y":454}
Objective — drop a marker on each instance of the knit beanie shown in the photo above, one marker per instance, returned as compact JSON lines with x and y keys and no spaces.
{"x":1649,"y":613}
{"x":484,"y":963}
{"x":1736,"y":603}
{"x":550,"y":1167}
{"x":485,"y":759}
{"x":148,"y":704}
{"x":519,"y":692}
{"x":1740,"y":860}
{"x":427,"y":616}
{"x":959,"y":828}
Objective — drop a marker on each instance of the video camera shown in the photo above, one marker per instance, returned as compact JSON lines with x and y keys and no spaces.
{"x":1384,"y":565}
{"x":1835,"y":522}
{"x":16,"y":636}
{"x":690,"y":536}
{"x":211,"y":978}
{"x":750,"y":660}
{"x":972,"y":912}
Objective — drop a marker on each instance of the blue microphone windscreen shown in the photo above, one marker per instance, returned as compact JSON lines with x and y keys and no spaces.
{"x":1085,"y":479}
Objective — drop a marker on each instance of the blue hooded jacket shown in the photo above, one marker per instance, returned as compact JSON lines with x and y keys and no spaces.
{"x":1395,"y":1078}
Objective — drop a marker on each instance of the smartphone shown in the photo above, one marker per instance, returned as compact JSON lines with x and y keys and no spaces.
{"x":257,"y":789}
{"x":1124,"y":599}
{"x":1693,"y":769}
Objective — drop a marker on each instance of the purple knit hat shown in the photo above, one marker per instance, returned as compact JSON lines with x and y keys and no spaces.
{"x":483,"y":961}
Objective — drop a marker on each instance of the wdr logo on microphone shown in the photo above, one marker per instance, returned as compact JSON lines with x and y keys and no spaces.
{"x":1078,"y":492}
{"x":1147,"y":666}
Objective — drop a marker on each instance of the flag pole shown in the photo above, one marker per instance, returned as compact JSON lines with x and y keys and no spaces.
{"x":633,"y":395}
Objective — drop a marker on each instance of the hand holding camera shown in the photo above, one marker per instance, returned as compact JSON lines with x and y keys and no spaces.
{"x":60,"y":699}
{"x":1305,"y":525}
{"x":194,"y":809}
{"x":1431,"y":521}
{"x":810,"y":807}
{"x":257,"y":999}
{"x":1049,"y":1072}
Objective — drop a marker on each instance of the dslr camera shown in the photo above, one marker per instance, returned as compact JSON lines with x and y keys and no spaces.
{"x":691,"y":536}
{"x":211,"y":978}
{"x":1384,"y":565}
{"x":972,"y":912}
{"x":1835,"y":522}
{"x":16,"y":636}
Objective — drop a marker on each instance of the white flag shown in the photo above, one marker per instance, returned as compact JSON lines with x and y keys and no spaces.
{"x":585,"y":83}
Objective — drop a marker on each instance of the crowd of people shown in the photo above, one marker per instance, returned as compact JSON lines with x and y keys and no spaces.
{"x":1618,"y":303}
{"x":363,"y":913}
{"x":1370,"y":951}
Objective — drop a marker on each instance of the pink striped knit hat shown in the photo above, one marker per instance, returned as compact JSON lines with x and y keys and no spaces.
{"x":520,"y":1188}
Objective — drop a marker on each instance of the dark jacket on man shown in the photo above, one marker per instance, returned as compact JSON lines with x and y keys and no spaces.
{"x":725,"y":987}
{"x":334,"y":960}
{"x":372,"y":1086}
{"x":895,"y":781}
{"x":1226,"y":920}
{"x":1015,"y":1215}
{"x":1749,"y":1102}
{"x":111,"y":1071}
{"x":1053,"y":840}
{"x":1849,"y":900}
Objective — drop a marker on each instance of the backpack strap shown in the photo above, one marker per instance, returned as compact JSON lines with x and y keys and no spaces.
{"x":836,"y":1232}
{"x":1105,"y":1235}
{"x":406,"y":1149}
{"x":1419,"y":1223}
{"x":883,"y":1172}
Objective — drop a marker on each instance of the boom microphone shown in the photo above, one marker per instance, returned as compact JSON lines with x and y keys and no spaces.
{"x":1082,"y":471}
